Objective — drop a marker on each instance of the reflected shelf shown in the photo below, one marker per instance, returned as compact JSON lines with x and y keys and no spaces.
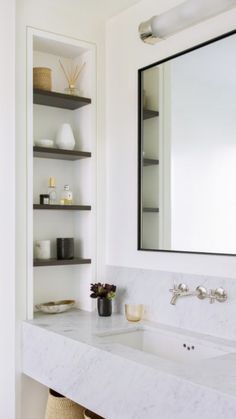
{"x":150,"y":209}
{"x":148,"y":114}
{"x":150,"y":162}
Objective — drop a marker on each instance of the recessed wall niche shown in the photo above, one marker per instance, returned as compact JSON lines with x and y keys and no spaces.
{"x":50,"y":280}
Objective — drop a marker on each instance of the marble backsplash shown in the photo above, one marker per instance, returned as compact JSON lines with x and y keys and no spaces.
{"x":151,"y":288}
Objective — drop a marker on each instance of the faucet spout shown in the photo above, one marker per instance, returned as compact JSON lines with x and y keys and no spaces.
{"x":180,"y":291}
{"x":174,"y":299}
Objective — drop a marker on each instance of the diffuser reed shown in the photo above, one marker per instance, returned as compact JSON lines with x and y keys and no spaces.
{"x":72,"y":75}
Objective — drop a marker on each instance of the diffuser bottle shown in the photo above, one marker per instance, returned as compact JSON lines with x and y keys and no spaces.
{"x":66,"y":196}
{"x":52,"y":191}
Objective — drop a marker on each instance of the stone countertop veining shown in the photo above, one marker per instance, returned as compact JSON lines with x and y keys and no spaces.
{"x":64,"y":352}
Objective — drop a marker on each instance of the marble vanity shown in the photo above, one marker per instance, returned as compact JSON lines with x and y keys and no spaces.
{"x":79,"y":355}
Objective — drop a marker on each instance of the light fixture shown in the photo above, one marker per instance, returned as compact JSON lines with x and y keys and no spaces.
{"x":181,"y":17}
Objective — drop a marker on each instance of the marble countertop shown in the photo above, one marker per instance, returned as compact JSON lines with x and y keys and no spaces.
{"x":64,"y":352}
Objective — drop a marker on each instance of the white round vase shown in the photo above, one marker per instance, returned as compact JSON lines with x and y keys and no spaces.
{"x":65,"y":139}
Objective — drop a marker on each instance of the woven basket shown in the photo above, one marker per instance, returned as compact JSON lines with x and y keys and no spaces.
{"x":42,"y":78}
{"x":59,"y":407}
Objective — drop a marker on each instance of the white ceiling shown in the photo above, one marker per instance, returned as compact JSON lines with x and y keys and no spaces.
{"x":50,"y":46}
{"x":98,"y":10}
{"x":110,"y":8}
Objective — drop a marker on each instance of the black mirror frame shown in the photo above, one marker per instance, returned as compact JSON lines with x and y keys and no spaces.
{"x":140,"y":140}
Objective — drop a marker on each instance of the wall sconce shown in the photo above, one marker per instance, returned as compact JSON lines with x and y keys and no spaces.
{"x":184,"y":15}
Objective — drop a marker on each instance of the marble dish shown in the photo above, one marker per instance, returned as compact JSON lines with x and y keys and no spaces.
{"x":44,"y":142}
{"x":53,"y":307}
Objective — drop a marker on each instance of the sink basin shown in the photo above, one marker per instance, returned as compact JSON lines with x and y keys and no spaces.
{"x":170,"y":345}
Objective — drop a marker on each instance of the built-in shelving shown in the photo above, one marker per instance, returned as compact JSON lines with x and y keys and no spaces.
{"x":56,"y":153}
{"x":53,"y":279}
{"x":59,"y":100}
{"x":57,"y":262}
{"x":150,"y":162}
{"x":149,"y":209}
{"x":148,"y":113}
{"x":62,"y":207}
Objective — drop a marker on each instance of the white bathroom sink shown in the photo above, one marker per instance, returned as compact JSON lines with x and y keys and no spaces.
{"x":170,"y":345}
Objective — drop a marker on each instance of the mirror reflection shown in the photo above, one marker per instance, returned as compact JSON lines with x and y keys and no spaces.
{"x":187,"y":157}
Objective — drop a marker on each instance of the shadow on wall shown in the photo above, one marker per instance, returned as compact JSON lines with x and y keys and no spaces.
{"x":34,"y":398}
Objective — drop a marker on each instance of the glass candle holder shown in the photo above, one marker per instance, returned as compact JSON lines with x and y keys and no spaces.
{"x":134,"y":312}
{"x":42,"y":249}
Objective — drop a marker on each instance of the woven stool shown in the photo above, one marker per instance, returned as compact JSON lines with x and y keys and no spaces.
{"x":59,"y":407}
{"x":90,"y":415}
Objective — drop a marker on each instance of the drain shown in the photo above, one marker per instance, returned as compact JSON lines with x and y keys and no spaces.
{"x":188,"y":347}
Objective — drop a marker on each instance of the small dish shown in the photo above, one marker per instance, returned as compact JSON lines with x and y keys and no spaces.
{"x":53,"y":307}
{"x":44,"y":142}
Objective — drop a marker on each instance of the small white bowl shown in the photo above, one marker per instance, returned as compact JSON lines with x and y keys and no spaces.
{"x":53,"y":307}
{"x":44,"y":142}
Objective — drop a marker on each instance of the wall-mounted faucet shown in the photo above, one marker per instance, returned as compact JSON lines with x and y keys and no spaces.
{"x":182,"y":290}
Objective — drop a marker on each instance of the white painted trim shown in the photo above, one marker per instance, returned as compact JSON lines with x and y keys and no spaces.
{"x":29,"y":198}
{"x":167,"y":220}
{"x":161,"y":166}
{"x":93,"y":214}
{"x":62,"y":38}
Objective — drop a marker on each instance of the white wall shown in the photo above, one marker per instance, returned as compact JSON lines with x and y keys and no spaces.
{"x":7,"y":209}
{"x":81,"y":20}
{"x":125,"y":54}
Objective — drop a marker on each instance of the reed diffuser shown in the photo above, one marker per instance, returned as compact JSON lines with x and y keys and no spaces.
{"x":72,"y":75}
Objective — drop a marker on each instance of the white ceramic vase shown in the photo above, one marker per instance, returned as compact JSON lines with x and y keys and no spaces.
{"x":65,"y":139}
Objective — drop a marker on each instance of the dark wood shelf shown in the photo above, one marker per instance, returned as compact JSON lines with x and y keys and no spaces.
{"x":59,"y":100}
{"x":56,"y":262}
{"x":150,"y":162}
{"x":149,"y":209}
{"x":56,"y":153}
{"x":148,"y":114}
{"x":62,"y":207}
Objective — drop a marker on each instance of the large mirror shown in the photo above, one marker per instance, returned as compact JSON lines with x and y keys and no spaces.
{"x":187,"y":151}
